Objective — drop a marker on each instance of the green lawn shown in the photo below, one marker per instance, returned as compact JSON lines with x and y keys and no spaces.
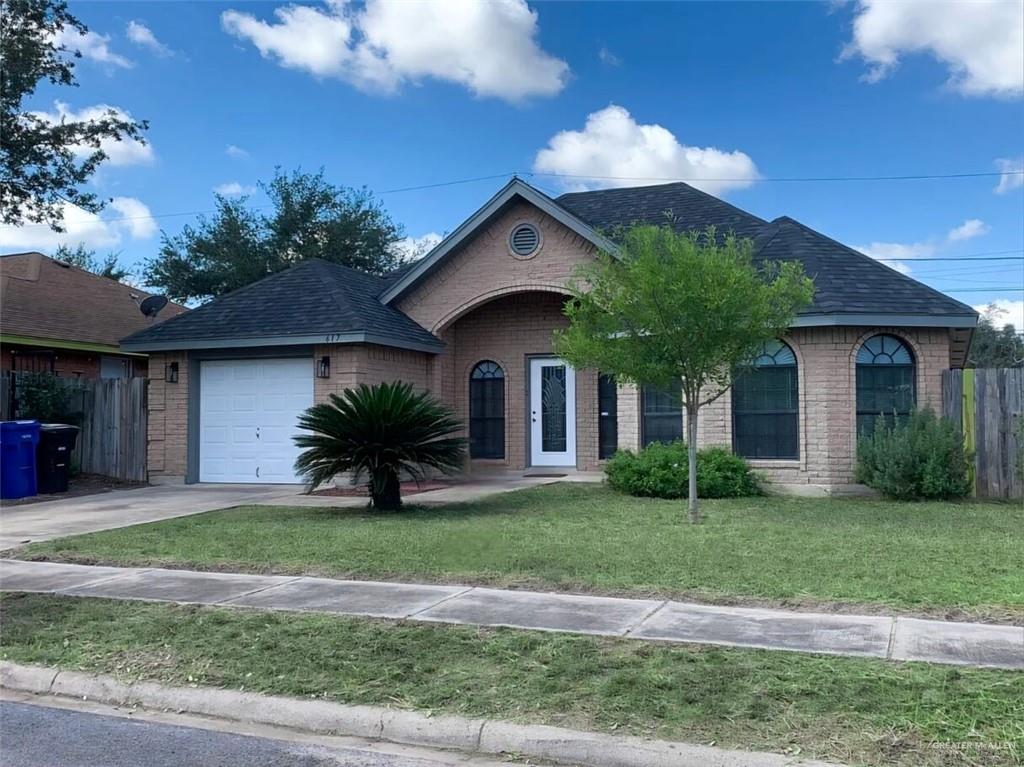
{"x":956,"y":559}
{"x":850,"y":710}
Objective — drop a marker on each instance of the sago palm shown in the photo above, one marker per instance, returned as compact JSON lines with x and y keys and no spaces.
{"x":379,"y":432}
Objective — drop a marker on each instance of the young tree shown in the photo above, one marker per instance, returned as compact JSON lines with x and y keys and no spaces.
{"x":43,"y":163}
{"x":84,"y":258}
{"x":672,"y":306}
{"x":995,"y":347}
{"x":311,"y":218}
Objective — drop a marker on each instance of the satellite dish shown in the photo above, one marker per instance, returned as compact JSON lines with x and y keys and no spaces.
{"x":151,"y":305}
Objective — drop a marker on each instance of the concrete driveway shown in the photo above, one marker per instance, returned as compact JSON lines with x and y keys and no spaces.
{"x":86,"y":514}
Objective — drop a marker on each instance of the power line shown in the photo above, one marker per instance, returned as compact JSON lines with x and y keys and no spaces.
{"x":993,"y":289}
{"x":976,"y":257}
{"x":917,"y":177}
{"x":455,"y":182}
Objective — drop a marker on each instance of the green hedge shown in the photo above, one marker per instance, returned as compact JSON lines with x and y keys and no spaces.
{"x":918,"y":457}
{"x":661,"y":471}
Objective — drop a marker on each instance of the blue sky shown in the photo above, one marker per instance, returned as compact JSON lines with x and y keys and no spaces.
{"x":400,"y":95}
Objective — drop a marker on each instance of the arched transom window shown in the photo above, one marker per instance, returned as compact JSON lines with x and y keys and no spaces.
{"x":487,"y":411}
{"x":885,"y":381}
{"x":766,"y":405}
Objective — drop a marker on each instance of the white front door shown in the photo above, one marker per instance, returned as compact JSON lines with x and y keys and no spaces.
{"x":248,"y":411}
{"x":552,"y":413}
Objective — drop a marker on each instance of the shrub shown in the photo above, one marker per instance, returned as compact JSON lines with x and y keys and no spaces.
{"x":42,"y":396}
{"x":660,"y":471}
{"x":381,"y":432}
{"x":921,"y":456}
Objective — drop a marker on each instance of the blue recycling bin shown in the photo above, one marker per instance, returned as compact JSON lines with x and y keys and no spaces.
{"x":18,"y":440}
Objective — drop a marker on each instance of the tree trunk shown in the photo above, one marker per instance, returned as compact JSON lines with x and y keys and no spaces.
{"x":385,"y":490}
{"x":691,"y":449}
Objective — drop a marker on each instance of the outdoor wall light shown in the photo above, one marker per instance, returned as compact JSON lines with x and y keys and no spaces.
{"x":171,"y":373}
{"x":323,"y":368}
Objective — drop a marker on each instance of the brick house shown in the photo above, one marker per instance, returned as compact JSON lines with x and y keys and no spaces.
{"x":57,"y":318}
{"x":472,"y":322}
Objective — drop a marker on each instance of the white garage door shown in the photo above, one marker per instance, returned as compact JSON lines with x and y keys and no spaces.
{"x":248,"y":411}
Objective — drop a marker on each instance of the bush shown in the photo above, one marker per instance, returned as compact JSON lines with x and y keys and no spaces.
{"x":921,"y":456}
{"x":382,"y":432}
{"x":661,"y":471}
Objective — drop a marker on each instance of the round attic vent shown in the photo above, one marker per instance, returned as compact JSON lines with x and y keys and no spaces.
{"x":524,"y":240}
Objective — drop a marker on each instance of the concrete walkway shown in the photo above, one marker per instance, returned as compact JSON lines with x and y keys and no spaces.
{"x":119,"y":508}
{"x":886,"y":637}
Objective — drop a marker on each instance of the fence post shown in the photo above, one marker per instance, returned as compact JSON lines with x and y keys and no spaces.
{"x":968,"y":409}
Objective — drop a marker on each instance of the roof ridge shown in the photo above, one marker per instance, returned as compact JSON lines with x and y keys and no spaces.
{"x":874,"y":261}
{"x":663,"y":186}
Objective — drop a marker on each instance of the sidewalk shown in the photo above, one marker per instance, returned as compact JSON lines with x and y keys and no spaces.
{"x":885,"y":637}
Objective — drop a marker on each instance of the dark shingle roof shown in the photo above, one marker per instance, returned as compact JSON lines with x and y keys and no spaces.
{"x":847,"y":281}
{"x":312,"y":298}
{"x":678,"y":204}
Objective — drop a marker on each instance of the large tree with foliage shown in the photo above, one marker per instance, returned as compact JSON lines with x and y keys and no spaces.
{"x":43,"y":164}
{"x":994,"y":346}
{"x":668,"y":307}
{"x":310,"y":218}
{"x":84,"y":258}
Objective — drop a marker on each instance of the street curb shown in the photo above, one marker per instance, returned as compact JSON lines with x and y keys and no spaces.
{"x":411,"y":728}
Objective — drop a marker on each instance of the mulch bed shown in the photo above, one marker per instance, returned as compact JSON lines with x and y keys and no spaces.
{"x":408,"y":488}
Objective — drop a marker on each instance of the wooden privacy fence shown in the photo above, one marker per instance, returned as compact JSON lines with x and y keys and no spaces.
{"x":111,"y":414}
{"x":989,"y":405}
{"x":113,"y":437}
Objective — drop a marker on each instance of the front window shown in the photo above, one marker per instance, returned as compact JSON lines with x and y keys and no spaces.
{"x":885,"y":382}
{"x":662,"y":413}
{"x":765,"y":405}
{"x":487,"y":411}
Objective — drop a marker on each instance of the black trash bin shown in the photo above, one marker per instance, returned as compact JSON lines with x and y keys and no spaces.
{"x":53,"y":456}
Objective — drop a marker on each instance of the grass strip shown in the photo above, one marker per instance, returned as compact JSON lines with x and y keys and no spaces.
{"x":855,"y":711}
{"x":955,"y":560}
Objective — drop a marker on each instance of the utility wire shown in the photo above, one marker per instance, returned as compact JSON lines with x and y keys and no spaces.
{"x":455,"y":182}
{"x":920,"y":177}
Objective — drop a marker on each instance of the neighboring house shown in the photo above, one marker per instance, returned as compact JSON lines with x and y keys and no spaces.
{"x":472,"y":322}
{"x":57,"y":318}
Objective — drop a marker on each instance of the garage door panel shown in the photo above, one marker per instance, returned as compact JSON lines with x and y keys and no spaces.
{"x":242,"y":398}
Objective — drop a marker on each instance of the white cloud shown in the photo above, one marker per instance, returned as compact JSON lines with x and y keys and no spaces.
{"x":1012,"y":171}
{"x":92,"y":46}
{"x":127,"y":152}
{"x":981,"y":42}
{"x":143,"y":36}
{"x":127,"y":217}
{"x":236,"y":152}
{"x":607,"y":57}
{"x":612,"y":144}
{"x":412,"y":248}
{"x":488,"y":47}
{"x":968,"y":230}
{"x":895,"y":254}
{"x":1007,"y":312}
{"x":233,"y":189}
{"x":135,"y":218}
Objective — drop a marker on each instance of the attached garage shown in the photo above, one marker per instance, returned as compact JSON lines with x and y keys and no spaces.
{"x":248,"y":413}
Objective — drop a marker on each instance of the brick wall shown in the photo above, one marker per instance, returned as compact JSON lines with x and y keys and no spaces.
{"x":509,"y":330}
{"x":485,"y":269}
{"x":827,"y":379}
{"x":167,"y":446}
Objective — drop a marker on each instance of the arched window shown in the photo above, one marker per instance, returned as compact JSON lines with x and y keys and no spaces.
{"x":487,"y":411}
{"x":765,"y":405}
{"x":885,"y":381}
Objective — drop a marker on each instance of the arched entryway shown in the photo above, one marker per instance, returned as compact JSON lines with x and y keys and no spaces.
{"x":487,"y":411}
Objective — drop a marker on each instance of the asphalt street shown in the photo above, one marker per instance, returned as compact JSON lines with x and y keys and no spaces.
{"x":40,"y":736}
